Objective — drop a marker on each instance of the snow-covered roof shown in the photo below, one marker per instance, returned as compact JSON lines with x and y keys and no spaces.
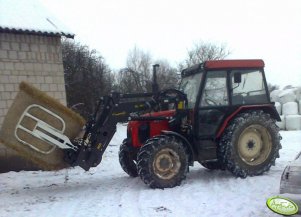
{"x":29,"y":16}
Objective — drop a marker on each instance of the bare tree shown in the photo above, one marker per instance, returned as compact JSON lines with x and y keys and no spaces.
{"x":137,"y":74}
{"x":167,"y":75}
{"x":202,"y":51}
{"x":87,"y":76}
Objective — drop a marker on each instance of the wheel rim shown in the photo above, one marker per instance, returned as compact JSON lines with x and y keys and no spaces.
{"x":254,"y":145}
{"x":166,"y":163}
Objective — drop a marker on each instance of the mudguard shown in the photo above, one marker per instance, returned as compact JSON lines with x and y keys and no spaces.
{"x":268,"y":108}
{"x":187,"y":143}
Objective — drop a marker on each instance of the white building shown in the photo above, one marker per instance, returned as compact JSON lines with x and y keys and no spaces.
{"x":30,"y":50}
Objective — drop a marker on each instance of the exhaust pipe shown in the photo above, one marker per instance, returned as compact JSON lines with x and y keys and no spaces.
{"x":155,"y":86}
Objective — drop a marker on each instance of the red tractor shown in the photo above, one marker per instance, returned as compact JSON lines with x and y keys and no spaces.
{"x":221,"y":116}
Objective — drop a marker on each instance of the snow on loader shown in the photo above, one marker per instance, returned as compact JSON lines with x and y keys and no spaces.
{"x":221,"y":116}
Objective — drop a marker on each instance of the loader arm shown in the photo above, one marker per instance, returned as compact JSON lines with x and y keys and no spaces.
{"x":111,"y":110}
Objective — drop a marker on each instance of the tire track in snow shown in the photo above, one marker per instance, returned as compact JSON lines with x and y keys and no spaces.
{"x":91,"y":199}
{"x":130,"y":199}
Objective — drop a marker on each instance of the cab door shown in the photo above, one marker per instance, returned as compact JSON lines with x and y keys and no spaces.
{"x":212,"y":105}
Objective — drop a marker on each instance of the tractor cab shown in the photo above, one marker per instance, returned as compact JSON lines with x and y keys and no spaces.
{"x":225,"y":82}
{"x":215,"y":89}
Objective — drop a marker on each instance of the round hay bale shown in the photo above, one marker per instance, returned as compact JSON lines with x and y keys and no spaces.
{"x":281,"y":124}
{"x":278,"y":107}
{"x":275,"y":95}
{"x":287,"y":96}
{"x":290,"y":108}
{"x":293,"y":122}
{"x":298,"y":93}
{"x":31,"y":111}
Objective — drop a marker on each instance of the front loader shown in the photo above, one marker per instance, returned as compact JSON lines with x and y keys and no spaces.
{"x":221,"y":116}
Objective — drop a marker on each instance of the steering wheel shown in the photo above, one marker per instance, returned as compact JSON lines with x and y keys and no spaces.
{"x":210,"y":102}
{"x":171,"y":95}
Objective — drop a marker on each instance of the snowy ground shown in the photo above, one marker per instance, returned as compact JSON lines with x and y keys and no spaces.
{"x":108,"y":191}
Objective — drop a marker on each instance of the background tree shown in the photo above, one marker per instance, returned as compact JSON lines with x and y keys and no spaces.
{"x":202,"y":51}
{"x":137,"y":76}
{"x":168,"y":76}
{"x":87,"y":76}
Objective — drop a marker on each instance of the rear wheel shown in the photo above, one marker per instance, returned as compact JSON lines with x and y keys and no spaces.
{"x":162,"y":162}
{"x":127,"y":159}
{"x":250,"y":144}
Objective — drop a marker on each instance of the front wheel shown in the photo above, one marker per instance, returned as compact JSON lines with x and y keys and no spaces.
{"x":250,"y":144}
{"x":163,"y":162}
{"x":127,"y":159}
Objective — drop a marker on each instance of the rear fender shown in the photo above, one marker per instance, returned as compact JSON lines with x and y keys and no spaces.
{"x":268,"y":108}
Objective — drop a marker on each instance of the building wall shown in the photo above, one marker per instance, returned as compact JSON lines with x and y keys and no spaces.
{"x":32,"y":58}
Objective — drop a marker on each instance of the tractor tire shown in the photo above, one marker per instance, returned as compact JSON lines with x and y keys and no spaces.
{"x":127,"y":159}
{"x":215,"y":165}
{"x":250,"y":144}
{"x":163,"y":162}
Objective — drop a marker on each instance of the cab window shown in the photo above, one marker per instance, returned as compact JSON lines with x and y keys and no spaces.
{"x":190,"y":86}
{"x":215,"y":91}
{"x":250,"y":89}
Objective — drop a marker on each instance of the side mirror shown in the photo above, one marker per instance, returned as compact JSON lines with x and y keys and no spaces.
{"x":237,"y":77}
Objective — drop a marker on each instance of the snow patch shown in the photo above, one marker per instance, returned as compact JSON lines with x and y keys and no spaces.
{"x":30,"y":15}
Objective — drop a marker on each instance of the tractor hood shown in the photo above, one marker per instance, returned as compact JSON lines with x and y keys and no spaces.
{"x":167,"y":113}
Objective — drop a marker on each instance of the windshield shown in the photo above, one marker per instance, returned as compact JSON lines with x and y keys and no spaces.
{"x":190,"y":86}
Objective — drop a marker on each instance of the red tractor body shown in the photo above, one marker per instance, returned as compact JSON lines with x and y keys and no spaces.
{"x":140,"y":131}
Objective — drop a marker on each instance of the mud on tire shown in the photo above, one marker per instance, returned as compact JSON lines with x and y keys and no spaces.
{"x":250,"y":144}
{"x":127,"y":159}
{"x":162,"y":162}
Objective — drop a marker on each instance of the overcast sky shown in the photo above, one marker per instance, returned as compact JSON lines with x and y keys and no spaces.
{"x":266,"y":29}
